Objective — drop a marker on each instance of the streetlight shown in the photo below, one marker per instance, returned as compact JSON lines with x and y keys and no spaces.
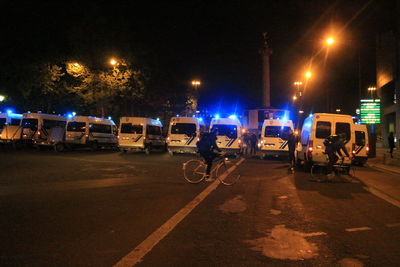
{"x":372,"y":89}
{"x":113,"y":62}
{"x":2,"y":98}
{"x":301,"y":111}
{"x":329,"y":41}
{"x":338,"y":110}
{"x":298,"y":84}
{"x":308,"y":74}
{"x":294,"y":98}
{"x":196,"y":83}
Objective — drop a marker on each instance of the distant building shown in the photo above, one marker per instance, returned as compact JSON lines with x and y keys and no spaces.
{"x":388,"y":76}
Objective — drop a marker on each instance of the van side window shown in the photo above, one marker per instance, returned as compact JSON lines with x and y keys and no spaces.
{"x":323,"y":129}
{"x":131,"y":129}
{"x":343,"y":127}
{"x":360,"y":138}
{"x":99,"y":128}
{"x":75,"y":126}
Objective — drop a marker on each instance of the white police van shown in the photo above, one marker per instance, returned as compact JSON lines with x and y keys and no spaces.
{"x":274,"y":137}
{"x":183,"y":134}
{"x":42,"y":129}
{"x":10,"y":129}
{"x":228,"y":132}
{"x":140,"y":134}
{"x":93,"y":132}
{"x":316,"y":128}
{"x":361,"y":146}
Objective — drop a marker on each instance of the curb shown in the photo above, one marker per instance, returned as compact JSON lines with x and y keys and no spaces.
{"x":382,"y":195}
{"x":381,"y":167}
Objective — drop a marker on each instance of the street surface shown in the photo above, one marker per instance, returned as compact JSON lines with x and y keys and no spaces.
{"x":85,"y":208}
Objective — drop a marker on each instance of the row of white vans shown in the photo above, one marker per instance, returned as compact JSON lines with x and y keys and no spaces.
{"x":138,"y":133}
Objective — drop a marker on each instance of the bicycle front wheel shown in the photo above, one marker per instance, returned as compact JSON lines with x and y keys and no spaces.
{"x":194,"y":171}
{"x":318,"y":172}
{"x":228,"y":173}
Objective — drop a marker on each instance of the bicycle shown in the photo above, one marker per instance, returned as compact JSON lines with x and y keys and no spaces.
{"x":224,"y":169}
{"x":319,"y":171}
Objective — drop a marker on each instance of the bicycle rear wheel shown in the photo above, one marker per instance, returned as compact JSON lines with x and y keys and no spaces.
{"x":318,"y":172}
{"x":227,"y":172}
{"x":194,"y":171}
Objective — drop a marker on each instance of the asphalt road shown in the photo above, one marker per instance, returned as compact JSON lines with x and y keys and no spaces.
{"x":93,"y":209}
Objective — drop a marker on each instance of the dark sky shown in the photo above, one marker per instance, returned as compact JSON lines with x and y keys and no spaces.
{"x":215,"y":42}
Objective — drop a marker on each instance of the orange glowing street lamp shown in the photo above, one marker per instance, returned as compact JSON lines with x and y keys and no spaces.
{"x":330,"y":41}
{"x":113,"y":62}
{"x":196,"y":83}
{"x":308,"y":74}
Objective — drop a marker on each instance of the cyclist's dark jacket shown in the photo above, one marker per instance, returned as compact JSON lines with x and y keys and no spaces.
{"x":207,"y":143}
{"x":333,"y":144}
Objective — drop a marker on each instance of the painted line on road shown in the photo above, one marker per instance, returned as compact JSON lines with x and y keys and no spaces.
{"x":137,"y":254}
{"x":314,"y":234}
{"x":393,"y":225}
{"x":365,"y":228}
{"x":382,"y":195}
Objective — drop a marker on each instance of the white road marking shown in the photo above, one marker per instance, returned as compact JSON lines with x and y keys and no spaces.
{"x":365,"y":228}
{"x":393,"y":224}
{"x":137,"y":254}
{"x":314,"y":234}
{"x":383,"y":195}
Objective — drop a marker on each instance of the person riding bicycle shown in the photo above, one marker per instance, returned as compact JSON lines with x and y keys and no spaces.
{"x":206,"y":146}
{"x":335,"y":144}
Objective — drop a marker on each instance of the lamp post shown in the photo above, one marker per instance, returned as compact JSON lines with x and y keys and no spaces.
{"x":372,"y":89}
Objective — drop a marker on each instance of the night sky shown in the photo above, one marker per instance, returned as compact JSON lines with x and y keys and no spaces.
{"x":216,"y":42}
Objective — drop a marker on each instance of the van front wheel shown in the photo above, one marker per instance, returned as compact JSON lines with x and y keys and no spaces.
{"x":59,"y":147}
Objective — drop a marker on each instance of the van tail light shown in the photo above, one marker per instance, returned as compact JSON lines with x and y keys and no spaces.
{"x":168,"y":138}
{"x":198,"y":139}
{"x":240,"y":141}
{"x":86,"y":135}
{"x":39,"y":133}
{"x":144,"y":137}
{"x":117,"y":136}
{"x":354,"y":152}
{"x":310,"y":150}
{"x":367,"y":148}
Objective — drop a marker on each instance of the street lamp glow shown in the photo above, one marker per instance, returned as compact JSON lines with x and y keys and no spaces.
{"x":294,"y":98}
{"x":113,"y":62}
{"x":2,"y":97}
{"x":196,"y":83}
{"x":338,"y":110}
{"x":329,"y":41}
{"x":371,"y":88}
{"x":301,"y":111}
{"x":308,"y":74}
{"x":298,"y":83}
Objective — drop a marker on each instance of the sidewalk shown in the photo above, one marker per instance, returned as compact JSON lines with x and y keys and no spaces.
{"x":387,"y":185}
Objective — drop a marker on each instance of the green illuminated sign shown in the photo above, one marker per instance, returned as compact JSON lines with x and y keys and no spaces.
{"x":370,"y":111}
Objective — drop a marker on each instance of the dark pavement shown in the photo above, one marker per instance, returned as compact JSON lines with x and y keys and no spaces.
{"x":91,"y":209}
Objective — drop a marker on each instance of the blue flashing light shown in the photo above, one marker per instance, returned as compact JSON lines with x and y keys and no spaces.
{"x":310,"y":115}
{"x":70,"y":116}
{"x":9,"y":111}
{"x":232,"y":117}
{"x":177,"y":115}
{"x":74,"y":113}
{"x":200,"y":119}
{"x":158,"y":119}
{"x":109,"y":117}
{"x":217,"y":116}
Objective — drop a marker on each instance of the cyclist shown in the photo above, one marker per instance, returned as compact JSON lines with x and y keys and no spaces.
{"x":334,"y":144}
{"x":206,"y":146}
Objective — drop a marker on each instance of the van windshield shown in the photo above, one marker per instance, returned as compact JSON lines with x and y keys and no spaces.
{"x":184,"y":128}
{"x":225,"y":130}
{"x":277,"y":131}
{"x":128,"y":128}
{"x":75,"y":126}
{"x":30,"y":123}
{"x":2,"y":122}
{"x":360,"y":138}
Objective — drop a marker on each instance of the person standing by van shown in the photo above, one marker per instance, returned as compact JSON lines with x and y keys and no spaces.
{"x":291,"y":141}
{"x":391,"y":143}
{"x":253,"y":144}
